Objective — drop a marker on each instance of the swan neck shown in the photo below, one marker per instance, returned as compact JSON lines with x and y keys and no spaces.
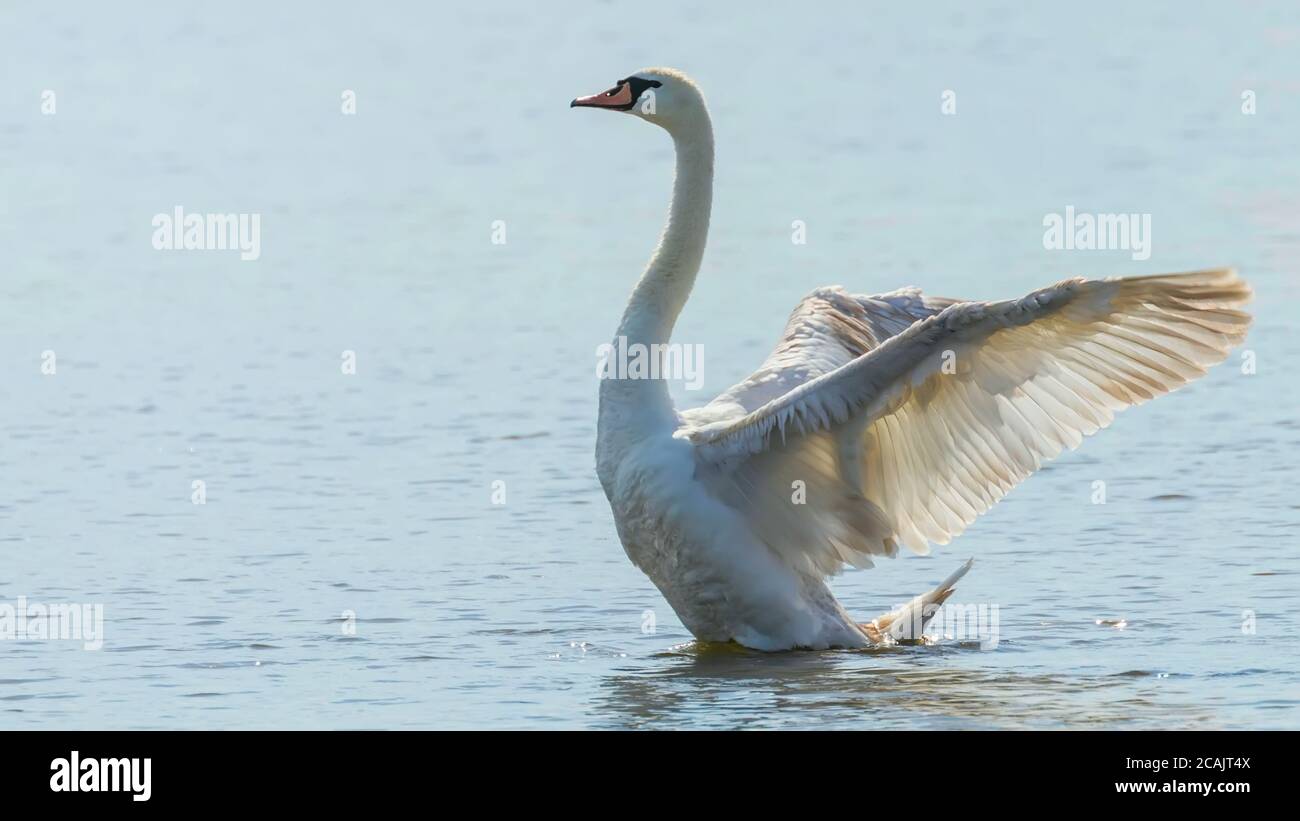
{"x":636,"y":410}
{"x":666,"y":284}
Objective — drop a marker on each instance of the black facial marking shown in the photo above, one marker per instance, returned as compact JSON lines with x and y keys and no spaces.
{"x":638,"y":87}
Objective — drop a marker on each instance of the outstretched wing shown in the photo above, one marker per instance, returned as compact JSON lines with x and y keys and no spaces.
{"x":928,"y":428}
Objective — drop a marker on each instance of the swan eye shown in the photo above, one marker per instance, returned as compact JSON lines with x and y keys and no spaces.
{"x":639,"y":85}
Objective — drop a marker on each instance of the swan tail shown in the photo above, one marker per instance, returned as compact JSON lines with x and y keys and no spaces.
{"x":907,"y":623}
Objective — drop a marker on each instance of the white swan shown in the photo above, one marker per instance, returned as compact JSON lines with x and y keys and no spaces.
{"x":904,"y":416}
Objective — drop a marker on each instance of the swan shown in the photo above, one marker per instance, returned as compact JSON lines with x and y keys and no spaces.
{"x":901,"y":416}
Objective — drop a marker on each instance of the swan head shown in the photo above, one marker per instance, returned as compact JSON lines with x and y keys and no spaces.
{"x":663,"y":96}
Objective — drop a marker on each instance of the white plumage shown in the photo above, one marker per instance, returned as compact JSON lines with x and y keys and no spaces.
{"x":902,"y":417}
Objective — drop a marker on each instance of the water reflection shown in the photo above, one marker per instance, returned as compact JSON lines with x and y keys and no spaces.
{"x":729,"y":687}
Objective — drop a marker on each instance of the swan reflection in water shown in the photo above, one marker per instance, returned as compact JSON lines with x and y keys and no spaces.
{"x":878,"y":688}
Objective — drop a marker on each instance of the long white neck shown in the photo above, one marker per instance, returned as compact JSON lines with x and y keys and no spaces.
{"x":664,"y":287}
{"x":631,"y":409}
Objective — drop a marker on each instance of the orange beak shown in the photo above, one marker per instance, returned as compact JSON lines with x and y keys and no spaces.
{"x":619,"y":97}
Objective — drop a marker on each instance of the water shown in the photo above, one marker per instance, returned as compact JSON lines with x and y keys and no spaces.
{"x":371,"y":493}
